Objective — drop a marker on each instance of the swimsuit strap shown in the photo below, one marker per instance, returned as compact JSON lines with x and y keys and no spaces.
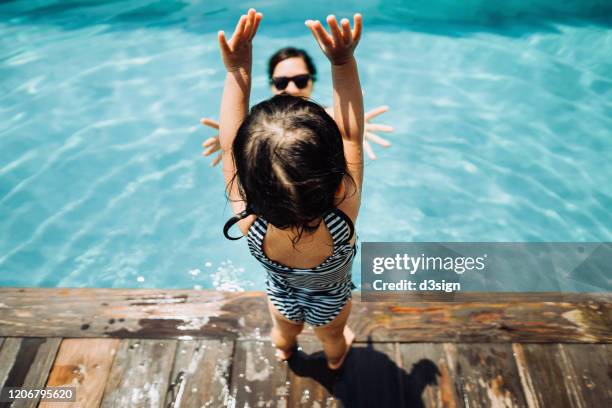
{"x":349,"y":223}
{"x":233,"y":220}
{"x":336,"y":211}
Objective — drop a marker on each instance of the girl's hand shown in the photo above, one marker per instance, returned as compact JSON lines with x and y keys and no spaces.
{"x":237,"y":53}
{"x":212,"y":144}
{"x":338,"y":47}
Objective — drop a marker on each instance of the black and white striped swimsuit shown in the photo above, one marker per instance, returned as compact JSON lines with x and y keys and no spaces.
{"x":314,"y":295}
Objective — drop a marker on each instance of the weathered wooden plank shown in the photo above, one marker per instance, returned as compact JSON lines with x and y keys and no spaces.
{"x":140,"y":374}
{"x":591,"y":365}
{"x":429,"y":376}
{"x":257,"y":379}
{"x":148,"y":313}
{"x":84,"y":364}
{"x":522,"y":320}
{"x":546,"y":380}
{"x":206,"y":364}
{"x":371,"y":377}
{"x":31,"y":365}
{"x":488,"y":375}
{"x":133,"y":313}
{"x":310,"y":380}
{"x":8,"y":354}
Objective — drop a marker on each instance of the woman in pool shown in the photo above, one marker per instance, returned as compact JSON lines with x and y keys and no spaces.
{"x":293,"y":176}
{"x":292,"y":71}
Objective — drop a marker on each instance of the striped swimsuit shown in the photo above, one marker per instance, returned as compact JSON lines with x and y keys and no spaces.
{"x":314,"y":295}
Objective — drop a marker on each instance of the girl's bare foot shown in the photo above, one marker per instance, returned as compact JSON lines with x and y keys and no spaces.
{"x":283,"y":355}
{"x":349,"y":337}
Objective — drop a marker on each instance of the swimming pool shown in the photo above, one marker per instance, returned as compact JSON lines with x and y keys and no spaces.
{"x":502,"y":117}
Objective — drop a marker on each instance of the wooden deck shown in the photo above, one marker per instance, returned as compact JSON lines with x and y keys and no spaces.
{"x":126,"y":348}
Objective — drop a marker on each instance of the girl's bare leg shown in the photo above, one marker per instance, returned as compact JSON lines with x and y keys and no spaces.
{"x":284,"y":332}
{"x":336,"y":337}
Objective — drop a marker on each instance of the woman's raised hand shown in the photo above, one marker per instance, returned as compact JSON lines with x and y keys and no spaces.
{"x":340,"y":45}
{"x":237,"y":53}
{"x":212,"y":144}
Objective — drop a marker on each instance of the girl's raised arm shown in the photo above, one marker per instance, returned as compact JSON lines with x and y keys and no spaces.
{"x":237,"y":58}
{"x":348,"y":98}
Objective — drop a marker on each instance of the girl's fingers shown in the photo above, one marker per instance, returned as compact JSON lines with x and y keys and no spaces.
{"x":210,"y":123}
{"x":217,"y":159}
{"x":310,"y":25}
{"x":258,"y":18}
{"x":377,"y":139}
{"x":347,"y":36}
{"x":250,"y":21}
{"x":379,"y":127}
{"x":319,"y":33}
{"x":357,"y":23}
{"x":238,"y":31}
{"x":325,"y":38}
{"x":375,"y":112}
{"x":334,"y":29}
{"x":223,"y":43}
{"x":368,"y":150}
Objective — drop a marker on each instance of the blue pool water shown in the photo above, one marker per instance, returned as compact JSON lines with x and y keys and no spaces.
{"x":502,"y":116}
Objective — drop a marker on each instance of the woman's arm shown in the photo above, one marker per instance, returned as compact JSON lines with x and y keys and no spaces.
{"x":237,"y":58}
{"x":348,"y":98}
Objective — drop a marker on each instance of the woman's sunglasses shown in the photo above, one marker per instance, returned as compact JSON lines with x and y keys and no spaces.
{"x":301,"y":81}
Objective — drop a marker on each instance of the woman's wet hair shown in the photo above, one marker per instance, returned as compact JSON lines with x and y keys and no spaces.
{"x":291,"y":52}
{"x":289,"y":162}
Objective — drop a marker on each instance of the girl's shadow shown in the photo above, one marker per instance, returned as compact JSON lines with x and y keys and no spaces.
{"x":368,"y":378}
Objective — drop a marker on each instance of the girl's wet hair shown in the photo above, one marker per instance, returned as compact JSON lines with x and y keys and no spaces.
{"x":291,"y":52}
{"x":289,"y":162}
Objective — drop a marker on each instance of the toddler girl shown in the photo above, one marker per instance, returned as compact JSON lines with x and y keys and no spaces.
{"x":294,"y":175}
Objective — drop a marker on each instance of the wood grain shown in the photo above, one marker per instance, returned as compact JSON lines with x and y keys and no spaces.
{"x":31,"y":365}
{"x":258,"y":379}
{"x":310,"y":379}
{"x":371,"y":377}
{"x":591,"y":365}
{"x":488,"y":375}
{"x":430,"y":374}
{"x":140,"y":374}
{"x":148,"y":313}
{"x":8,"y":354}
{"x":84,"y":364}
{"x":206,"y":364}
{"x":546,"y":380}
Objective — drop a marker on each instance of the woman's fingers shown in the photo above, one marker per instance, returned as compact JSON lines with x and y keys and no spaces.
{"x":217,"y":159}
{"x":376,"y":127}
{"x":357,"y":24}
{"x":368,"y":150}
{"x":375,"y":112}
{"x":377,"y":139}
{"x":347,"y":36}
{"x":334,"y":29}
{"x":210,"y":123}
{"x":210,"y":141}
{"x":212,"y":149}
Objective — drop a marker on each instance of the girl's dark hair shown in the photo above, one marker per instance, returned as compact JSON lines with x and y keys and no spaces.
{"x":289,"y":162}
{"x":291,"y":52}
